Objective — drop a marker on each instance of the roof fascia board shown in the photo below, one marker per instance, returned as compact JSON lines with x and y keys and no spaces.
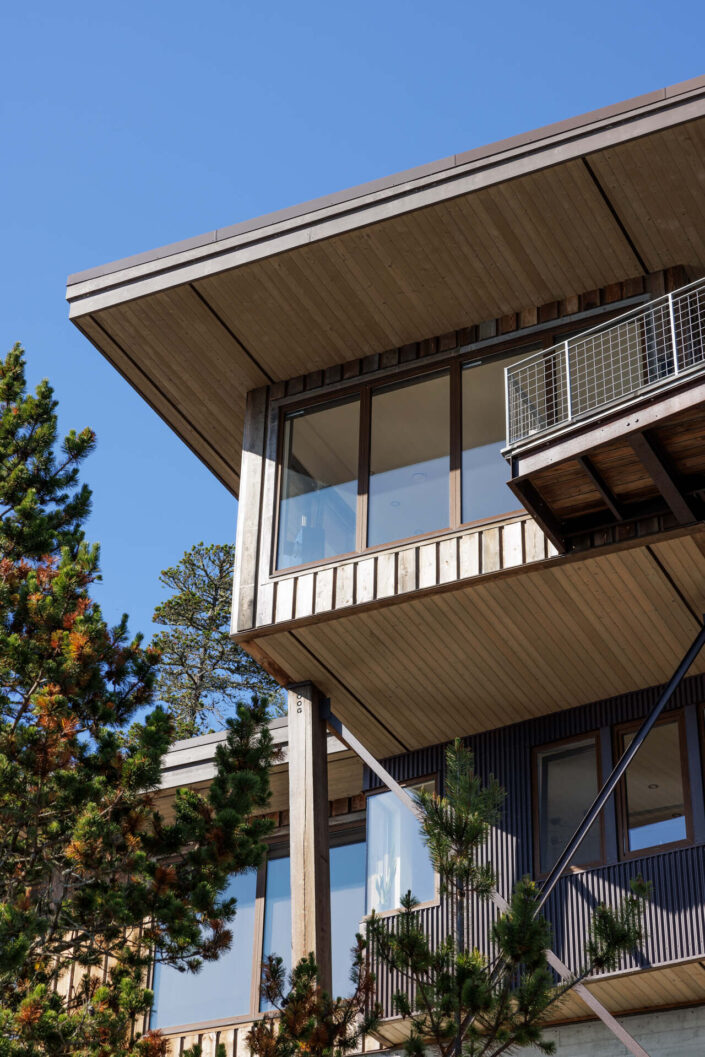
{"x":403,"y":177}
{"x":197,"y":263}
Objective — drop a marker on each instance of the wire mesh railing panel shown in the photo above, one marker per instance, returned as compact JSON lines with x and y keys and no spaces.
{"x":537,"y":394}
{"x":606,"y":365}
{"x":689,"y":321}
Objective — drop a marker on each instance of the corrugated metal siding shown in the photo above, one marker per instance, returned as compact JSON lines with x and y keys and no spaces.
{"x":675,"y":923}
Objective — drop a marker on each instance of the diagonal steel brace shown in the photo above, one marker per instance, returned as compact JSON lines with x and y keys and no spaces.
{"x":348,"y":739}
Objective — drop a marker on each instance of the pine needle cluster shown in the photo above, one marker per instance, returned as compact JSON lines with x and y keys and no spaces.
{"x":464,"y":998}
{"x":203,"y":674}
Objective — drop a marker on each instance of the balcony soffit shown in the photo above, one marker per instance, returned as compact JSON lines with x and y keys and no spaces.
{"x":424,"y":670}
{"x":195,"y":337}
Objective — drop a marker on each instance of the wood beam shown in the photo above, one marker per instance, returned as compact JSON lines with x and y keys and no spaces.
{"x":656,"y":463}
{"x":308,"y":833}
{"x":611,"y":501}
{"x":530,"y":498}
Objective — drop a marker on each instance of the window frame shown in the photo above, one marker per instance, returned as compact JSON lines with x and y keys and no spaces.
{"x":364,"y":390}
{"x":619,"y":730}
{"x":408,"y":783}
{"x":343,"y":829}
{"x":573,"y":739}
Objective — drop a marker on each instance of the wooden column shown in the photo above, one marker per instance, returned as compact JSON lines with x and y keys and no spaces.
{"x":308,"y":822}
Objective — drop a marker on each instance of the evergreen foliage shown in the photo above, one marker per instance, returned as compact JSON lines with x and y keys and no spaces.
{"x":94,"y":880}
{"x":203,"y":673}
{"x":461,"y":999}
{"x":310,"y":1020}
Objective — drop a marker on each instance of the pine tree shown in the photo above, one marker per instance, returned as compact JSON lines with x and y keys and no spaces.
{"x":93,"y":880}
{"x":203,"y":673}
{"x":457,"y":997}
{"x":310,"y":1020}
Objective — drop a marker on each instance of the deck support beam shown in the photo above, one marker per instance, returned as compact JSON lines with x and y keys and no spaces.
{"x":656,"y":464}
{"x":593,"y":1003}
{"x":308,"y":833}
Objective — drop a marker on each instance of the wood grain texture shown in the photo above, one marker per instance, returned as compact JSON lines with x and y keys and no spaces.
{"x":308,"y":830}
{"x":525,"y":642}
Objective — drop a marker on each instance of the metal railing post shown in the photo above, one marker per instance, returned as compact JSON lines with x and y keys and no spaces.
{"x":569,"y":395}
{"x":674,"y":343}
{"x":507,"y":420}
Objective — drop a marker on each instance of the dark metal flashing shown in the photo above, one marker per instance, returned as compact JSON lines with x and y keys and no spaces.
{"x":442,"y":170}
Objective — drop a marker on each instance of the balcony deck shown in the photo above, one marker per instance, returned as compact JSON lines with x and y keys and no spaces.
{"x":609,"y":426}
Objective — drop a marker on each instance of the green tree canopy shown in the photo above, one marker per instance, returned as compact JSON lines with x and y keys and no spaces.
{"x":203,"y":673}
{"x":93,"y":878}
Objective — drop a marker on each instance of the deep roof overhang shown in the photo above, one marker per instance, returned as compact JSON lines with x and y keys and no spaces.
{"x":565,"y":209}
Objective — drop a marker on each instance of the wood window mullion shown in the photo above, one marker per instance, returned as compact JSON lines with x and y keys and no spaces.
{"x":363,"y":469}
{"x":455,"y":444}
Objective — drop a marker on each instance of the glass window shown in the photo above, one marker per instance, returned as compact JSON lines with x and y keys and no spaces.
{"x":277,"y":914}
{"x":347,"y":908}
{"x":397,"y":860}
{"x":654,"y":790}
{"x":221,"y":988}
{"x":318,"y":505}
{"x":409,"y":491}
{"x":567,"y":784}
{"x":484,"y":472}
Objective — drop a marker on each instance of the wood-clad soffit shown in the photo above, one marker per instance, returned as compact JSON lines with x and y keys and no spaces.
{"x":425,"y":669}
{"x":574,"y":208}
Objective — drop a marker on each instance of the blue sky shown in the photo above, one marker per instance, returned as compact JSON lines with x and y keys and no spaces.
{"x":125,"y":127}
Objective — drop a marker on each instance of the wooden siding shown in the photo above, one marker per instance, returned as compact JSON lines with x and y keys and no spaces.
{"x":675,"y":928}
{"x":264,"y":597}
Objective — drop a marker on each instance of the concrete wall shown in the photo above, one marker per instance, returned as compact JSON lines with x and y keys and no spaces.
{"x":679,"y":1033}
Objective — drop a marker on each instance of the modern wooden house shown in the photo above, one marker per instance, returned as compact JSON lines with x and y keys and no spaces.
{"x":463,"y":409}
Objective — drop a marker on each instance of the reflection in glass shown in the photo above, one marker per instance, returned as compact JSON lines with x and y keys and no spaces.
{"x":397,"y":860}
{"x":347,"y":908}
{"x":484,"y":471}
{"x":221,"y":988}
{"x":409,"y":490}
{"x":654,"y":790}
{"x":567,"y":786}
{"x":317,"y":510}
{"x":277,"y":915}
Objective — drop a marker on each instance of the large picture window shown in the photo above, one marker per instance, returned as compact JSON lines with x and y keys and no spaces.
{"x":566,"y":782}
{"x":393,"y":462}
{"x":655,"y":810}
{"x":221,"y":988}
{"x":347,"y":909}
{"x":397,"y":859}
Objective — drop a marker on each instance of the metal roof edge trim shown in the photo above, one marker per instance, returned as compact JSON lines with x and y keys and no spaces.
{"x":450,"y":165}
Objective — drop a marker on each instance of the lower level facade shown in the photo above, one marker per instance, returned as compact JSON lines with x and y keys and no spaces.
{"x":551,"y":769}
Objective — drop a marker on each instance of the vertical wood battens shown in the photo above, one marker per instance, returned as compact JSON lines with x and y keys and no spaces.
{"x":675,"y":927}
{"x":249,"y":512}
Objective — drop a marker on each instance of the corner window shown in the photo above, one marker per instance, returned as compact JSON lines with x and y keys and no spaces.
{"x":318,"y":505}
{"x":567,"y":782}
{"x":397,"y":860}
{"x":393,"y":462}
{"x":654,"y":806}
{"x":221,"y":988}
